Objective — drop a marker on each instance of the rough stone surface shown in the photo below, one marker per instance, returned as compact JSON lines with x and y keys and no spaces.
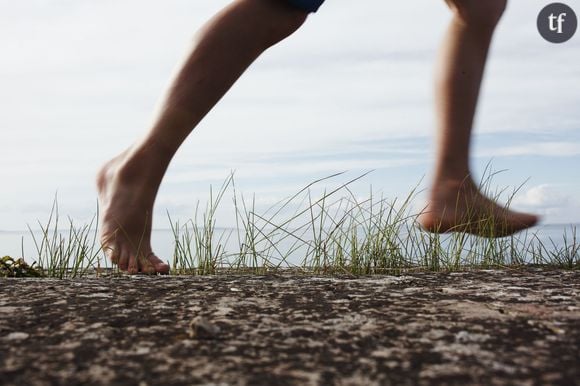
{"x":485,"y":327}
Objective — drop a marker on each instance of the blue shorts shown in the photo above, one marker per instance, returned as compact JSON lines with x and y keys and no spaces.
{"x":307,"y":5}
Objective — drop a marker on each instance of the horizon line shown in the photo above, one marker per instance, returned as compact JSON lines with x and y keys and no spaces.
{"x":564,"y":224}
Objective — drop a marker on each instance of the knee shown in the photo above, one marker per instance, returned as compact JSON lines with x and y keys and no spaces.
{"x":288,"y":21}
{"x":481,"y":13}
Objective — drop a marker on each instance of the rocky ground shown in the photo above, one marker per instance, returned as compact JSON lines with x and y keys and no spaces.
{"x":504,"y":327}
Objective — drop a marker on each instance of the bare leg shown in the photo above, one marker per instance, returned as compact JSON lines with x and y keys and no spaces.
{"x":128,"y":184}
{"x":455,"y":203}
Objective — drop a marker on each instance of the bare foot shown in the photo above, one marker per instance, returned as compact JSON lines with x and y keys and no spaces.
{"x":126,"y":204}
{"x":459,"y":206}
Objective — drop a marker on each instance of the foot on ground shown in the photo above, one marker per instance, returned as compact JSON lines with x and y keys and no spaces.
{"x":459,"y":206}
{"x":126,"y":204}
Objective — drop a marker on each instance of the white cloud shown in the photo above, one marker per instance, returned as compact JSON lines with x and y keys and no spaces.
{"x":259,"y":170}
{"x":551,"y":202}
{"x":542,"y":196}
{"x":538,"y":149}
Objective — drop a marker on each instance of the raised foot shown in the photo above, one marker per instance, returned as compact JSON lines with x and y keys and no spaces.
{"x":459,"y":206}
{"x":125,"y":219}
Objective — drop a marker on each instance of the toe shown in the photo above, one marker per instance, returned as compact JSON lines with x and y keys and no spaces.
{"x":523,"y":221}
{"x":146,"y":267}
{"x":113,"y":252}
{"x":133,"y":267}
{"x":160,"y":266}
{"x":124,"y":260}
{"x":111,"y":247}
{"x":115,"y":257}
{"x":149,"y":270}
{"x":533,"y":219}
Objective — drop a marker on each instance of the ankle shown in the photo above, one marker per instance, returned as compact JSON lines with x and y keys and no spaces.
{"x":452,"y":168}
{"x":456,"y":179}
{"x":451,"y":186}
{"x":144,"y":164}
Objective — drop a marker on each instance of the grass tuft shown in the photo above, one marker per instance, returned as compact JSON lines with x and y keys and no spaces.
{"x":66,"y":256}
{"x":332,"y":232}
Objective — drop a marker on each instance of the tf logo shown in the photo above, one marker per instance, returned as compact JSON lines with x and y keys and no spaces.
{"x":557,"y":23}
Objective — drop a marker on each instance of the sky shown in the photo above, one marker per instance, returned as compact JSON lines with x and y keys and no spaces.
{"x":351,"y":91}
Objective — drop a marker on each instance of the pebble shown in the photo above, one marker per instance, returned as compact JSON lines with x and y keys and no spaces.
{"x":201,"y":328}
{"x":17,"y":336}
